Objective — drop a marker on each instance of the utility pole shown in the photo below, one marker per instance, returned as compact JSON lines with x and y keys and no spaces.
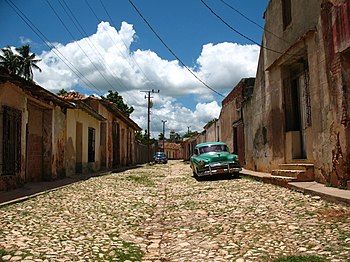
{"x":164,"y":121}
{"x":148,"y":97}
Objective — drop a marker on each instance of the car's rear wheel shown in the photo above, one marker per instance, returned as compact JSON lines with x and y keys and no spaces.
{"x":235,"y":175}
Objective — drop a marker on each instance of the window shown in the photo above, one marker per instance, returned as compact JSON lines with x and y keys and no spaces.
{"x":91,"y":145}
{"x":12,"y":122}
{"x":287,"y":13}
{"x":213,"y":148}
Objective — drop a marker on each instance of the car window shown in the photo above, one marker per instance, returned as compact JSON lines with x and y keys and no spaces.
{"x":213,"y":148}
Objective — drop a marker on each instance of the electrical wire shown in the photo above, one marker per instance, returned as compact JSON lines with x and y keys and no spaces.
{"x":132,"y":57}
{"x":46,"y":41}
{"x":80,"y":47}
{"x":171,"y":51}
{"x":250,"y":20}
{"x":83,"y":33}
{"x":236,"y":31}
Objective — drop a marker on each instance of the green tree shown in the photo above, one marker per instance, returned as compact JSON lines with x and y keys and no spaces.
{"x":27,"y":62}
{"x":161,"y":136}
{"x":117,"y":99}
{"x":20,"y":64}
{"x":62,"y":92}
{"x":9,"y":60}
{"x":190,"y":134}
{"x":143,"y":137}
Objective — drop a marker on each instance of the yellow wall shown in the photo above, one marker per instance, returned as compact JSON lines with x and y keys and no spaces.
{"x":74,"y":116}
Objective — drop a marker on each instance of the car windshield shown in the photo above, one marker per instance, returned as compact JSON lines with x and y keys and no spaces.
{"x":160,"y":154}
{"x":213,"y":148}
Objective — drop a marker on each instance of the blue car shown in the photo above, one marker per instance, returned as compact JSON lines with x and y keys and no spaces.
{"x":160,"y":158}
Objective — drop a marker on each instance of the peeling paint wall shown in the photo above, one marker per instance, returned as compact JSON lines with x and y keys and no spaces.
{"x":13,"y":96}
{"x":319,"y":34}
{"x":59,"y":143}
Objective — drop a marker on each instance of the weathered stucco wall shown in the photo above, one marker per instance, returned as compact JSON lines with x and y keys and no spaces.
{"x":58,"y":143}
{"x":212,"y":133}
{"x":326,"y":134}
{"x":75,"y":116}
{"x":12,"y":96}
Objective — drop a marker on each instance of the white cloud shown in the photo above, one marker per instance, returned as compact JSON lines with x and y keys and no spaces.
{"x":25,"y":40}
{"x":220,"y":65}
{"x":177,"y":116}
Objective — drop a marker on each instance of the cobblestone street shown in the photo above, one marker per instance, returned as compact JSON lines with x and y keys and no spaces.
{"x":162,"y":213}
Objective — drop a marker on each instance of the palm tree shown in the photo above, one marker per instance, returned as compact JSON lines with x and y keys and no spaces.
{"x":9,"y":60}
{"x":27,"y":61}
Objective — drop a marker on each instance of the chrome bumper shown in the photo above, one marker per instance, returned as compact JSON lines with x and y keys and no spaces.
{"x":219,"y":169}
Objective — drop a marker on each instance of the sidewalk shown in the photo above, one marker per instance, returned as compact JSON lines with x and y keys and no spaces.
{"x":34,"y":189}
{"x":312,"y":188}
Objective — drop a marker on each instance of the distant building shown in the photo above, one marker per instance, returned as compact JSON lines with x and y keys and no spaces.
{"x":212,"y":131}
{"x":172,"y":150}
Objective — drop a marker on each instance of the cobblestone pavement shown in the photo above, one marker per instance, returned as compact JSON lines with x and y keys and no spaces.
{"x":161,"y":213}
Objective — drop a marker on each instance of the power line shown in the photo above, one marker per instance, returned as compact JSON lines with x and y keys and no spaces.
{"x":70,"y":33}
{"x":250,"y":20}
{"x":137,"y":64}
{"x":110,"y":37}
{"x":171,"y":51}
{"x":46,"y":41}
{"x":235,"y":30}
{"x":83,"y":33}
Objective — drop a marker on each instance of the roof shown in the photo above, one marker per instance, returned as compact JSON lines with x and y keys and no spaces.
{"x":174,"y":146}
{"x":114,"y":109}
{"x":210,"y":123}
{"x":77,"y":99}
{"x":34,"y":90}
{"x":210,"y":144}
{"x":245,"y":82}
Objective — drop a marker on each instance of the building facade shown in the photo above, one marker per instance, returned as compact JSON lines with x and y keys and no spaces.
{"x":231,"y":117}
{"x":298,"y":114}
{"x":118,"y":136}
{"x":32,"y":131}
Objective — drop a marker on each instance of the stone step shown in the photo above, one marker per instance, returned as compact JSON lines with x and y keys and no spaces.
{"x":297,"y":166}
{"x":287,"y":178}
{"x":287,"y":173}
{"x":299,"y":175}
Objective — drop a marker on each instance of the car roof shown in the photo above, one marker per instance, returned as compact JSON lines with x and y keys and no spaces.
{"x":210,"y":144}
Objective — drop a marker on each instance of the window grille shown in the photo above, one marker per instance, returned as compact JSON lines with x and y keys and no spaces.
{"x":12,"y":124}
{"x":91,"y":145}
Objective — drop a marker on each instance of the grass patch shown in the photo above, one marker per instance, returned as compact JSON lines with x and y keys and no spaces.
{"x":3,"y":252}
{"x":300,"y":259}
{"x":129,"y":251}
{"x":143,"y":180}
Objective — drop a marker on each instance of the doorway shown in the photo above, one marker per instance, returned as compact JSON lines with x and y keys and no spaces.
{"x":295,"y":116}
{"x":116,"y":144}
{"x":79,"y":148}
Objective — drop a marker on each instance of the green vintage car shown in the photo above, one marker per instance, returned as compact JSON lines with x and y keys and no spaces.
{"x":213,"y":158}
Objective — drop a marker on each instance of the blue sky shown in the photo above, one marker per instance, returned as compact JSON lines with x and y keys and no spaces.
{"x":185,"y":25}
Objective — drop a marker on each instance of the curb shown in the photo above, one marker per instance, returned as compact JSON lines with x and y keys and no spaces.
{"x":286,"y":184}
{"x":30,"y":196}
{"x":324,"y":196}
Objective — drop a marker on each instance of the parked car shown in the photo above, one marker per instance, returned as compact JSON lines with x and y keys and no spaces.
{"x":160,"y":158}
{"x":214,"y":158}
